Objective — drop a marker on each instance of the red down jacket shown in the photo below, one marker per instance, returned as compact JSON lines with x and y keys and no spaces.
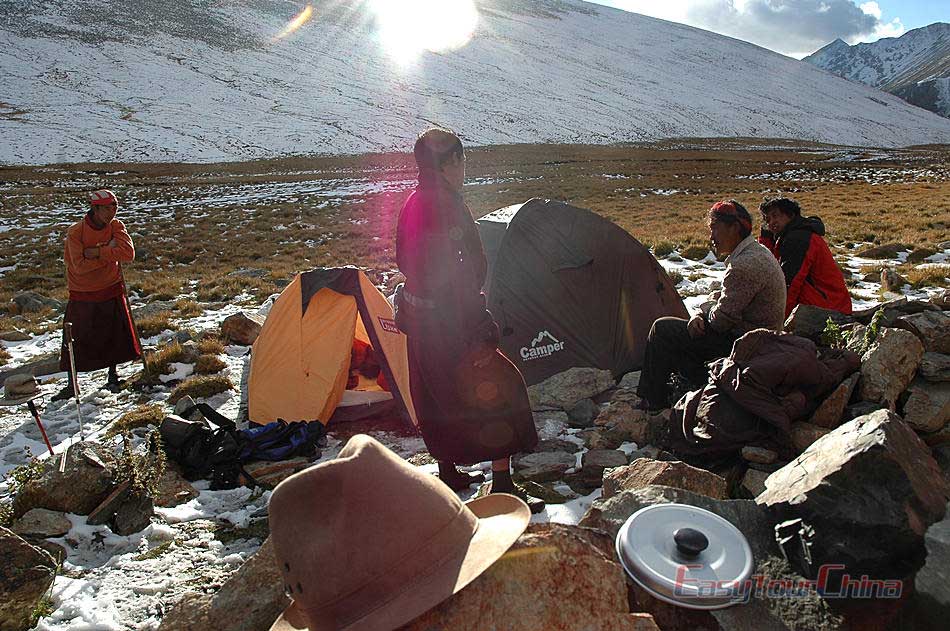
{"x":811,"y":273}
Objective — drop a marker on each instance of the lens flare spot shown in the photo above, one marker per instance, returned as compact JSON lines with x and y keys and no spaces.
{"x":299,"y":20}
{"x":409,"y":27}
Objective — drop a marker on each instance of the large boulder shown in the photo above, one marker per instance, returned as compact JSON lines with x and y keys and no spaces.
{"x":544,"y":466}
{"x":927,"y":408}
{"x":809,"y":321}
{"x":32,"y":302}
{"x":40,"y":367}
{"x":26,"y":573}
{"x":627,"y":423}
{"x":15,"y":335}
{"x":554,"y":577}
{"x":153,"y":309}
{"x":932,"y":582}
{"x":595,"y":461}
{"x":42,"y":523}
{"x":935,"y":367}
{"x":583,"y":413}
{"x":752,"y":520}
{"x":891,"y":280}
{"x":758,"y":455}
{"x":869,"y":489}
{"x":645,"y":472}
{"x":830,"y":412}
{"x":550,"y":424}
{"x":84,"y":483}
{"x":804,"y":434}
{"x":888,"y":367}
{"x":565,"y":390}
{"x":241,"y":328}
{"x":932,"y":327}
{"x":172,"y":488}
{"x":753,"y":482}
{"x":250,"y":600}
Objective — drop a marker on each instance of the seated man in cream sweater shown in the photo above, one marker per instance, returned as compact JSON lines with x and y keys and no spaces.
{"x":752,"y":297}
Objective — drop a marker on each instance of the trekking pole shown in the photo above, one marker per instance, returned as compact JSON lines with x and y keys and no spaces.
{"x":36,"y":417}
{"x":68,"y":333}
{"x":135,"y":328}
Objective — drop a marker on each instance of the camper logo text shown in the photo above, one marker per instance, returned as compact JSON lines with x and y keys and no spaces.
{"x":544,"y":345}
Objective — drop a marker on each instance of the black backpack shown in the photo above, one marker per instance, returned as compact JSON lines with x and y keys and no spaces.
{"x":202,"y":451}
{"x":218,"y":453}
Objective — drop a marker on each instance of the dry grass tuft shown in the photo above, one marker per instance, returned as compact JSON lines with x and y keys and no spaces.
{"x":663,"y":248}
{"x":157,"y":363}
{"x":209,"y":365}
{"x":4,"y":355}
{"x":141,"y":416}
{"x":201,"y":387}
{"x":188,"y":308}
{"x":695,"y":252}
{"x":155,"y":324}
{"x":935,"y":276}
{"x":210,"y":345}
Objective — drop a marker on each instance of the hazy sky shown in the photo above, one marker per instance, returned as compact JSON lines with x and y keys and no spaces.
{"x":796,"y":27}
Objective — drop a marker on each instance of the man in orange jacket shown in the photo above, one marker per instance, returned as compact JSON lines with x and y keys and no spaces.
{"x":811,"y":273}
{"x":103,"y":333}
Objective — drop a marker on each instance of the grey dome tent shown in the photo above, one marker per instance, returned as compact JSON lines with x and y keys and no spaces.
{"x":570,"y":288}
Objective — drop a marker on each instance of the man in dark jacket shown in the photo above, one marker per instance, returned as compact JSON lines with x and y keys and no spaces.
{"x":471,"y":401}
{"x":811,"y":273}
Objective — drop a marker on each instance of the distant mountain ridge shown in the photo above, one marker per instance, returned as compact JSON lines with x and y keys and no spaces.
{"x":206,"y":80}
{"x":914,"y":66}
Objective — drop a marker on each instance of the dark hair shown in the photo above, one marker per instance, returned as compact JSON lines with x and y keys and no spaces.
{"x":731,"y":212}
{"x":434,"y":147}
{"x":788,"y":206}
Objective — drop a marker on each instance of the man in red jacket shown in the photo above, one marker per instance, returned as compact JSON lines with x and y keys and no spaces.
{"x":103,"y":333}
{"x":811,"y":273}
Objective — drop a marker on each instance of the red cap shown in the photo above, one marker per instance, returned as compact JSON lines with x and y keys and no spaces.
{"x":102,"y":198}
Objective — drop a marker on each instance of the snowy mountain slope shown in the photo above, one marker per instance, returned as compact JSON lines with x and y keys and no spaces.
{"x":915,"y":66}
{"x":206,"y":80}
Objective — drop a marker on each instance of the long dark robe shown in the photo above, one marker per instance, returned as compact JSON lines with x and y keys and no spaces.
{"x":103,"y":334}
{"x":467,"y":412}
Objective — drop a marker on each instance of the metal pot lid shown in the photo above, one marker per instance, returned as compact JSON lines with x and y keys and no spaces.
{"x":685,"y":555}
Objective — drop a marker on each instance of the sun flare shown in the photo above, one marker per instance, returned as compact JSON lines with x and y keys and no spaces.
{"x":408,"y":27}
{"x":299,"y":20}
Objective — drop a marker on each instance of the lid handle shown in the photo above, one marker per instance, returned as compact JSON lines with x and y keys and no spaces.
{"x":690,"y":542}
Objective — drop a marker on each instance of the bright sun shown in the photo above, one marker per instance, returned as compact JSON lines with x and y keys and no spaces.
{"x":408,"y":27}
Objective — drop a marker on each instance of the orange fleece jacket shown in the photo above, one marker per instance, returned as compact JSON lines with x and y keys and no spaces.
{"x":84,"y":274}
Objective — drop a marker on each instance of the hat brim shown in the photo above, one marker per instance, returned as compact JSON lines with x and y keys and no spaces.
{"x":502,"y":519}
{"x":7,"y":401}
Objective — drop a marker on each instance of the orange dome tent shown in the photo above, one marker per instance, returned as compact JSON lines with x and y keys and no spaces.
{"x":300,"y":363}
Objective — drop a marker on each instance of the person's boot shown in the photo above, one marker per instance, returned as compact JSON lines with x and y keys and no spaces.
{"x":458,"y":480}
{"x":112,"y":385}
{"x":501,"y":482}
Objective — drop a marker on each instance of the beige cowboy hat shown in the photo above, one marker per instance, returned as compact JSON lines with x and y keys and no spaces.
{"x":369,"y":542}
{"x":19,"y":389}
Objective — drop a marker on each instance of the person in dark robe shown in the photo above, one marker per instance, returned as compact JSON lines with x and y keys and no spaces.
{"x":470,"y":400}
{"x":102,"y":328}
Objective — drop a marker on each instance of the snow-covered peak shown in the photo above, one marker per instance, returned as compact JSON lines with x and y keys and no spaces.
{"x":911,"y":66}
{"x":163,"y":80}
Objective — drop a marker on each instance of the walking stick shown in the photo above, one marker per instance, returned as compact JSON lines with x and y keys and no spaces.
{"x":68,"y":333}
{"x":135,"y":328}
{"x":36,"y":417}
